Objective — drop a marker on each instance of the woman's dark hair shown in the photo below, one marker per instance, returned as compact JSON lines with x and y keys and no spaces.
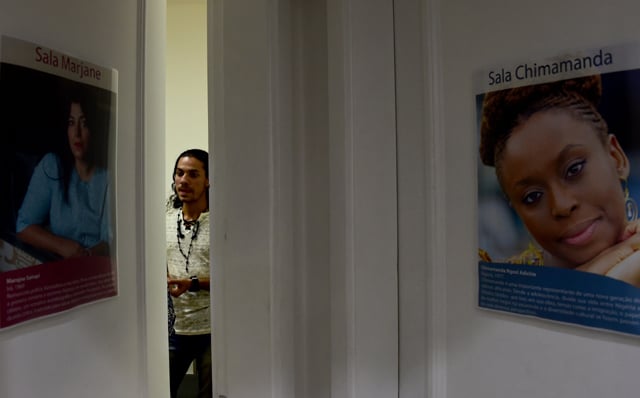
{"x":504,"y":110}
{"x":96,"y":107}
{"x":203,"y":157}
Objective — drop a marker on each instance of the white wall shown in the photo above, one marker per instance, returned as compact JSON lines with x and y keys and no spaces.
{"x":468,"y":352}
{"x":152,"y":276}
{"x":455,"y":350}
{"x":99,"y":350}
{"x":186,"y":83}
{"x":268,"y":227}
{"x":302,"y":116}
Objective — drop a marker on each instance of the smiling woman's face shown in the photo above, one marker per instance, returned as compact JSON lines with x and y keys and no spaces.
{"x":564,"y":183}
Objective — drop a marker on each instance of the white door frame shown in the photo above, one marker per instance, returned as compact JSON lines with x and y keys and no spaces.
{"x":254,"y":60}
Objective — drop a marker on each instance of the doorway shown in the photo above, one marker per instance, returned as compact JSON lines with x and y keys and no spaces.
{"x":186,"y":100}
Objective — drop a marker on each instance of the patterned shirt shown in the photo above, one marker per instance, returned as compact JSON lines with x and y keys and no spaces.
{"x":191,"y":308}
{"x":532,"y":255}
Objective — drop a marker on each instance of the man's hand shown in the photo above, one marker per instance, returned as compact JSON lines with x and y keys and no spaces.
{"x":178,"y":286}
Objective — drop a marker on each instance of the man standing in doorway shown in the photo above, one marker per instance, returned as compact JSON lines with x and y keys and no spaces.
{"x":187,"y":224}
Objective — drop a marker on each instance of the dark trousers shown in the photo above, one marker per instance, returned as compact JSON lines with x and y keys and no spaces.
{"x":184,"y":349}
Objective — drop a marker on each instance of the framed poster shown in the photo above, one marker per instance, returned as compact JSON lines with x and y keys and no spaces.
{"x":558,"y":171}
{"x":57,"y":230}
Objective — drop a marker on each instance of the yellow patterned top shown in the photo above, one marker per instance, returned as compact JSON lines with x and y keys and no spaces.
{"x":532,"y":255}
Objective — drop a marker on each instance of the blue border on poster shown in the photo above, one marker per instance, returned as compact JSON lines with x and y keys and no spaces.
{"x":558,"y":294}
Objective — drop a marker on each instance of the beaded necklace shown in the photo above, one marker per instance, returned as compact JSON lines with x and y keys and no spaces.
{"x":187,"y":226}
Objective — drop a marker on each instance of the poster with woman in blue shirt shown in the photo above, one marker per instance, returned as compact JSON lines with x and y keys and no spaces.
{"x":57,"y":211}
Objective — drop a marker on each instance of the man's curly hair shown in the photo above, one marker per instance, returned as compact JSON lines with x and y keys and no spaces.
{"x":504,"y":110}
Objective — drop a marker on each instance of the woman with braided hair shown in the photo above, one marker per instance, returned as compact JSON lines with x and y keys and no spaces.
{"x":565,"y":175}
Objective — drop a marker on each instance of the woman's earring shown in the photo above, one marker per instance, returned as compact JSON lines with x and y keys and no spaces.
{"x":630,"y":206}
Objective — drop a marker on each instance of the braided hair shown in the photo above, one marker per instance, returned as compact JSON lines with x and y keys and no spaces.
{"x":504,"y":110}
